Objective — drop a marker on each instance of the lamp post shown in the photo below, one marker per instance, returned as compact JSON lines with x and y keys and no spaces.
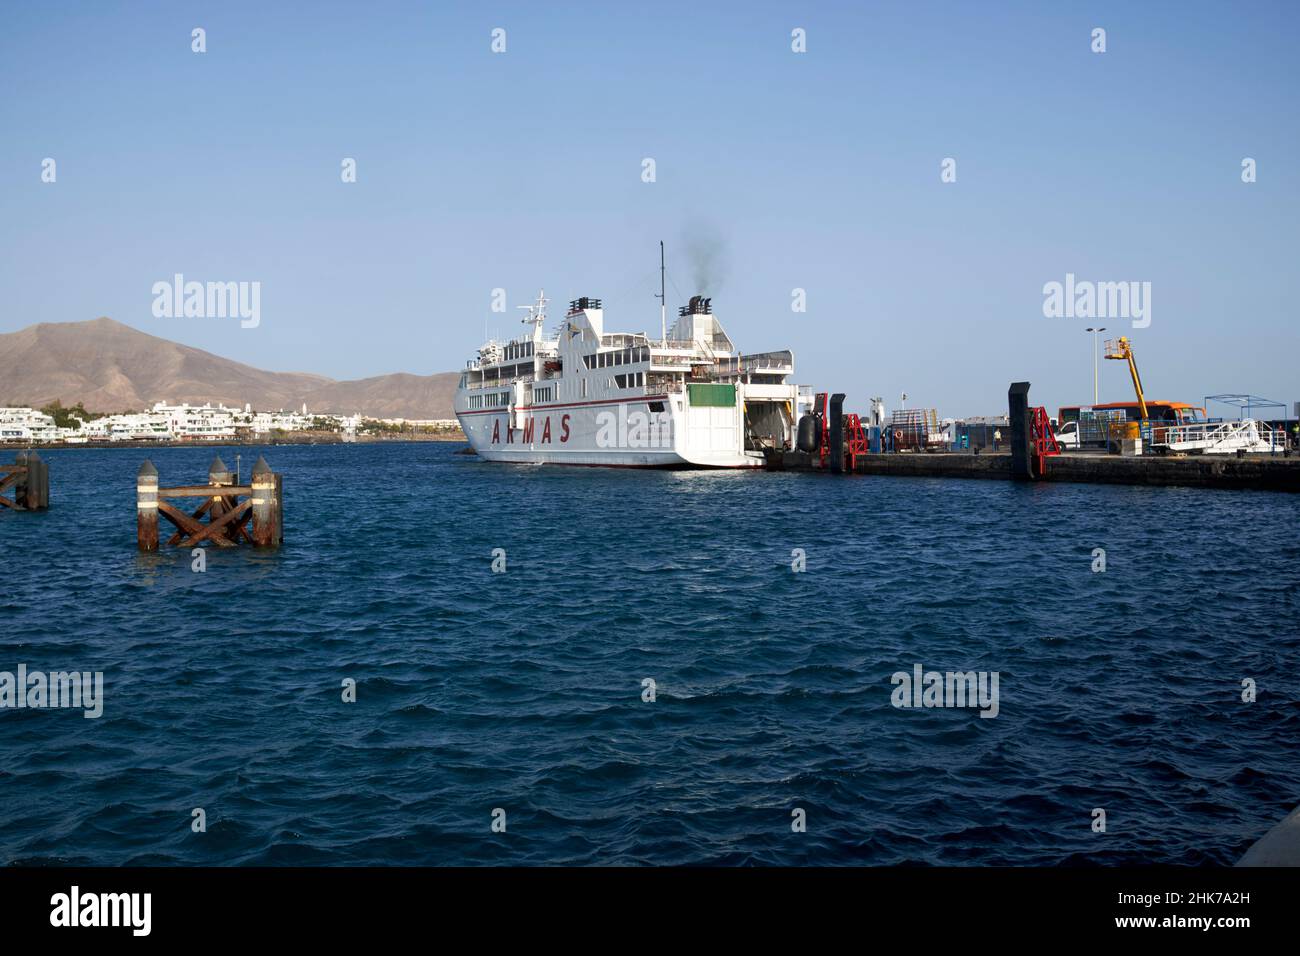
{"x":1095,"y":333}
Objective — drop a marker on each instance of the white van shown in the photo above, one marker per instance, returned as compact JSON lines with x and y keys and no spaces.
{"x":1067,"y":436}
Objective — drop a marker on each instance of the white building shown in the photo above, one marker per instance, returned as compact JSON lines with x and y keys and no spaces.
{"x":22,"y":424}
{"x":424,"y":424}
{"x":212,"y":422}
{"x":264,"y":422}
{"x":129,"y":427}
{"x":166,"y":421}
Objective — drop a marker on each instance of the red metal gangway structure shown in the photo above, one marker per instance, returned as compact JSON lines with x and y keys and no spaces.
{"x":855,"y":441}
{"x":1042,"y":440}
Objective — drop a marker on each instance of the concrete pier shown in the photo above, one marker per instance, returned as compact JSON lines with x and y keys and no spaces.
{"x":1261,"y":472}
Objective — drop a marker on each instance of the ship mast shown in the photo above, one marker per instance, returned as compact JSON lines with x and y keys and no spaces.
{"x":536,"y":315}
{"x":663,"y":305}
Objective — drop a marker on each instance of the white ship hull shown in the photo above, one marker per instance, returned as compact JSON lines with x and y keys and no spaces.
{"x":617,"y":433}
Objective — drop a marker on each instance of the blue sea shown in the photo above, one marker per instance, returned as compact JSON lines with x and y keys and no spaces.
{"x":523,"y":691}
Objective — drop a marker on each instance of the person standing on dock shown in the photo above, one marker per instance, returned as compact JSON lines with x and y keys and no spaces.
{"x":997,"y":437}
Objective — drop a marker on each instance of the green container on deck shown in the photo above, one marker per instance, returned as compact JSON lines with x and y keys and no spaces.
{"x":711,"y":395}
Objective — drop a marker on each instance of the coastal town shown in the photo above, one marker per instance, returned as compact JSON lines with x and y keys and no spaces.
{"x":184,"y":422}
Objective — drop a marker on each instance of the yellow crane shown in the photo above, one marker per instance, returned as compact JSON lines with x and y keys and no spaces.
{"x":1121,"y":349}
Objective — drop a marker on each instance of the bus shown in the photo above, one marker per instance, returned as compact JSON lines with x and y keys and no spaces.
{"x":1179,"y":413}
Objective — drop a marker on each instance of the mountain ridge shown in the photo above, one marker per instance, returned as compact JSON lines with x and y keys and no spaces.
{"x":112,"y":367}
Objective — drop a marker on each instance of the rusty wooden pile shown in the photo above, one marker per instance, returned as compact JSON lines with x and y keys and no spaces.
{"x":29,"y":477}
{"x":228,"y":515}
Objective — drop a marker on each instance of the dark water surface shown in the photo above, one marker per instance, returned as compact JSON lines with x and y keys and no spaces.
{"x":523,"y":690}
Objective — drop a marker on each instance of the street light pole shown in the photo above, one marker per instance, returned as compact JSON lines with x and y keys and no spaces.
{"x":1095,"y":333}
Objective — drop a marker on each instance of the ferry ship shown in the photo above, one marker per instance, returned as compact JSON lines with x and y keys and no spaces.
{"x":581,"y":395}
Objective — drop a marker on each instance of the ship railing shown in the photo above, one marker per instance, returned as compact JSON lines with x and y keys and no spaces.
{"x":763,"y":361}
{"x":672,"y":385}
{"x":680,"y":361}
{"x":499,"y":383}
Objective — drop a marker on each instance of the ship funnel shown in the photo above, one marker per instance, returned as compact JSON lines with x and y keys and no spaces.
{"x":699,"y":305}
{"x":697,"y":323}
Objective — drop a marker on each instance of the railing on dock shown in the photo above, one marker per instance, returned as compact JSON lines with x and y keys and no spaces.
{"x":1222,"y":437}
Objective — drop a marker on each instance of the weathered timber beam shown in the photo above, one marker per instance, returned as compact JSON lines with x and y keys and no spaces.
{"x":204,"y":491}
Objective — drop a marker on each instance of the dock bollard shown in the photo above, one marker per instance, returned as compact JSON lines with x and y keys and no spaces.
{"x":267,"y":520}
{"x":1018,"y":416}
{"x":38,"y":483}
{"x":146,"y":507}
{"x":837,"y":433}
{"x":218,"y":476}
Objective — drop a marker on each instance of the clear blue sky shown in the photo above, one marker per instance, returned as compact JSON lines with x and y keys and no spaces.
{"x":818,"y":171}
